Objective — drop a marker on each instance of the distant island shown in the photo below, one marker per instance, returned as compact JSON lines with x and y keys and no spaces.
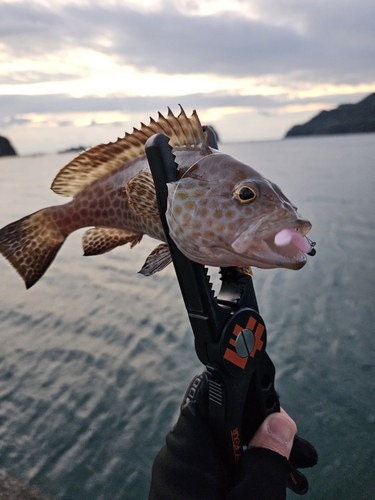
{"x":346,"y":119}
{"x":78,"y":149}
{"x":6,"y":149}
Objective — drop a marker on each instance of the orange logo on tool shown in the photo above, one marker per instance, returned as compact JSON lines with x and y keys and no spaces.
{"x":232,"y":356}
{"x":236,"y":443}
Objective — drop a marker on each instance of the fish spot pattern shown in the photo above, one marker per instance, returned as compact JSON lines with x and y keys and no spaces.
{"x":114,"y":195}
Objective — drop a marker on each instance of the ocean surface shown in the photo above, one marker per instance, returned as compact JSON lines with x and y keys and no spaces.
{"x":95,"y":358}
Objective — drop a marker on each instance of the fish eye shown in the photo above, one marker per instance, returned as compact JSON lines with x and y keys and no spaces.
{"x":245,"y":194}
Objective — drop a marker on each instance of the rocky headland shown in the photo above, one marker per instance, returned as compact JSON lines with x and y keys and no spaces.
{"x":6,"y":149}
{"x":346,"y":119}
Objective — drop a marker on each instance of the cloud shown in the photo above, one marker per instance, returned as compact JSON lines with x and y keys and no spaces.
{"x":252,"y":67}
{"x":62,"y":103}
{"x":13,"y":105}
{"x":32,"y":77}
{"x":13,"y":120}
{"x":311,"y":40}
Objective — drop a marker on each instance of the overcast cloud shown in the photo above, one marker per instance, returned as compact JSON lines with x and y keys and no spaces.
{"x":322,"y":40}
{"x":297,"y":48}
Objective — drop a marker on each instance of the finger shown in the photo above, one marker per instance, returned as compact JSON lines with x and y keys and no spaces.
{"x":276,"y":433}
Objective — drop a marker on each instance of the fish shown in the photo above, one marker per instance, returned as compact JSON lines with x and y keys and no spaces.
{"x":220,"y":211}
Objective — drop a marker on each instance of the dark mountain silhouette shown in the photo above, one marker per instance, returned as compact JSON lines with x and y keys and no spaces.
{"x":346,"y":119}
{"x":6,"y":149}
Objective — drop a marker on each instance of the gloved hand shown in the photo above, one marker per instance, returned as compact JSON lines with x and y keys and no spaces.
{"x":189,"y":466}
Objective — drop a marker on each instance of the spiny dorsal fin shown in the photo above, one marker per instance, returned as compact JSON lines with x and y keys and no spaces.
{"x":99,"y":160}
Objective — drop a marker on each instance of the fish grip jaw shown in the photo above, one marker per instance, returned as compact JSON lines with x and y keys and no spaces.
{"x":193,"y":278}
{"x":241,"y":385}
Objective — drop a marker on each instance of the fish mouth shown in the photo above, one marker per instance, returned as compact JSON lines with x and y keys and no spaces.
{"x":285,"y":247}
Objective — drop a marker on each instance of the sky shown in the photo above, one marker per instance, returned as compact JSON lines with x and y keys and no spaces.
{"x":78,"y":73}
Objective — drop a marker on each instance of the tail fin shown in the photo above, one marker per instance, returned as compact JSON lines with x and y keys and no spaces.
{"x":30,"y":244}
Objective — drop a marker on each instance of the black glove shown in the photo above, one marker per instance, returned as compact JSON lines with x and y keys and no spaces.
{"x":189,"y":466}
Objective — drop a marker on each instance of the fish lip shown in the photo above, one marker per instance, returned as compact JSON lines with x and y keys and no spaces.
{"x":264,"y":253}
{"x":302,"y":225}
{"x":291,"y":255}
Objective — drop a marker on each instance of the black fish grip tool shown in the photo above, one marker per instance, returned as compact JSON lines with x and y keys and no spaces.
{"x":230,"y":335}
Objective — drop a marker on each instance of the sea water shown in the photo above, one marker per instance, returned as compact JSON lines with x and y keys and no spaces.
{"x":95,"y":358}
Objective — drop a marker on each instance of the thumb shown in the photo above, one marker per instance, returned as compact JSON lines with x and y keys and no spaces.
{"x":276,"y":433}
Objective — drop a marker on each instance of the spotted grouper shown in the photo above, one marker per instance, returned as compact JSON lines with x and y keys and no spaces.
{"x":220,"y":211}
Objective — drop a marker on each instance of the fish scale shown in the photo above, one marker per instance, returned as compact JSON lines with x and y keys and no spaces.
{"x":221,"y":212}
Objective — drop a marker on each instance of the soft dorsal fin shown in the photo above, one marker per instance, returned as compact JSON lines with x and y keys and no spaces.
{"x":99,"y":160}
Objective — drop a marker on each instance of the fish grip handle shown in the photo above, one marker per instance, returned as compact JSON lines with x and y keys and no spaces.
{"x":230,"y":335}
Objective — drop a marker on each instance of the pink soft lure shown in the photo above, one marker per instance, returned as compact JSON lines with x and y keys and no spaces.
{"x":287,"y":236}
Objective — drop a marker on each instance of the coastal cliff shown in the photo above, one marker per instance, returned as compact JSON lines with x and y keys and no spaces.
{"x":6,"y":149}
{"x":346,"y":119}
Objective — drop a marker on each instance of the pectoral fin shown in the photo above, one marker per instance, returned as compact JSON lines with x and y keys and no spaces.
{"x":158,"y":259}
{"x":99,"y":240}
{"x":142,"y":196}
